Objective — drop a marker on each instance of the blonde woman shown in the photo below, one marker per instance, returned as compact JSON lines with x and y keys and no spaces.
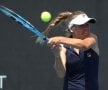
{"x":76,"y":56}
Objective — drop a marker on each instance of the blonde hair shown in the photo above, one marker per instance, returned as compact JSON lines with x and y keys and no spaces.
{"x":66,"y":16}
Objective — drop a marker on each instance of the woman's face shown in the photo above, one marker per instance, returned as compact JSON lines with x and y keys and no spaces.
{"x":81,"y":31}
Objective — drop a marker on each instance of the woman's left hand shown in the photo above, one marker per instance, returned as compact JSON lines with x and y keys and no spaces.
{"x":54,"y":40}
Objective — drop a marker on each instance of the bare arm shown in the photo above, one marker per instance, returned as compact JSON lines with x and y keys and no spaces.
{"x":77,"y":43}
{"x":60,"y":60}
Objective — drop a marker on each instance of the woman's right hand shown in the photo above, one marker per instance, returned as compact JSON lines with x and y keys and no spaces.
{"x":57,"y":49}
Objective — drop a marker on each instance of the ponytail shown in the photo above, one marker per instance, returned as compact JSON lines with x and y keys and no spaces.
{"x":61,"y":16}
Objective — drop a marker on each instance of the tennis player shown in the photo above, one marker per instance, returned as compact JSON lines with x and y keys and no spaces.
{"x":76,"y":56}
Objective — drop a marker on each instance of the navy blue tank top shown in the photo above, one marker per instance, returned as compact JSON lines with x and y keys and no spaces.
{"x":81,"y":70}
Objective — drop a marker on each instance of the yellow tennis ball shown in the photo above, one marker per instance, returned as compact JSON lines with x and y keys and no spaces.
{"x":45,"y":16}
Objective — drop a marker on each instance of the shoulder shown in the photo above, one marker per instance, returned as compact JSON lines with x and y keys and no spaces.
{"x":90,"y":40}
{"x":95,"y":47}
{"x":92,"y":37}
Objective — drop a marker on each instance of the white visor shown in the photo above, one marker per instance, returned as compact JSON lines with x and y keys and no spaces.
{"x":80,"y":20}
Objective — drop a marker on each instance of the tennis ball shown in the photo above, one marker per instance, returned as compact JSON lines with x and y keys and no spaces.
{"x":45,"y":16}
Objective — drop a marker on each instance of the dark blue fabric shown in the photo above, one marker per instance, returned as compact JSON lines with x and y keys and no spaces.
{"x":81,"y":70}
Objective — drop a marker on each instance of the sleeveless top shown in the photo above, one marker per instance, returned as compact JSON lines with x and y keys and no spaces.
{"x":81,"y":70}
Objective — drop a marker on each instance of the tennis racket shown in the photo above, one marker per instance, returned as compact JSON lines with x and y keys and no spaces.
{"x":19,"y":19}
